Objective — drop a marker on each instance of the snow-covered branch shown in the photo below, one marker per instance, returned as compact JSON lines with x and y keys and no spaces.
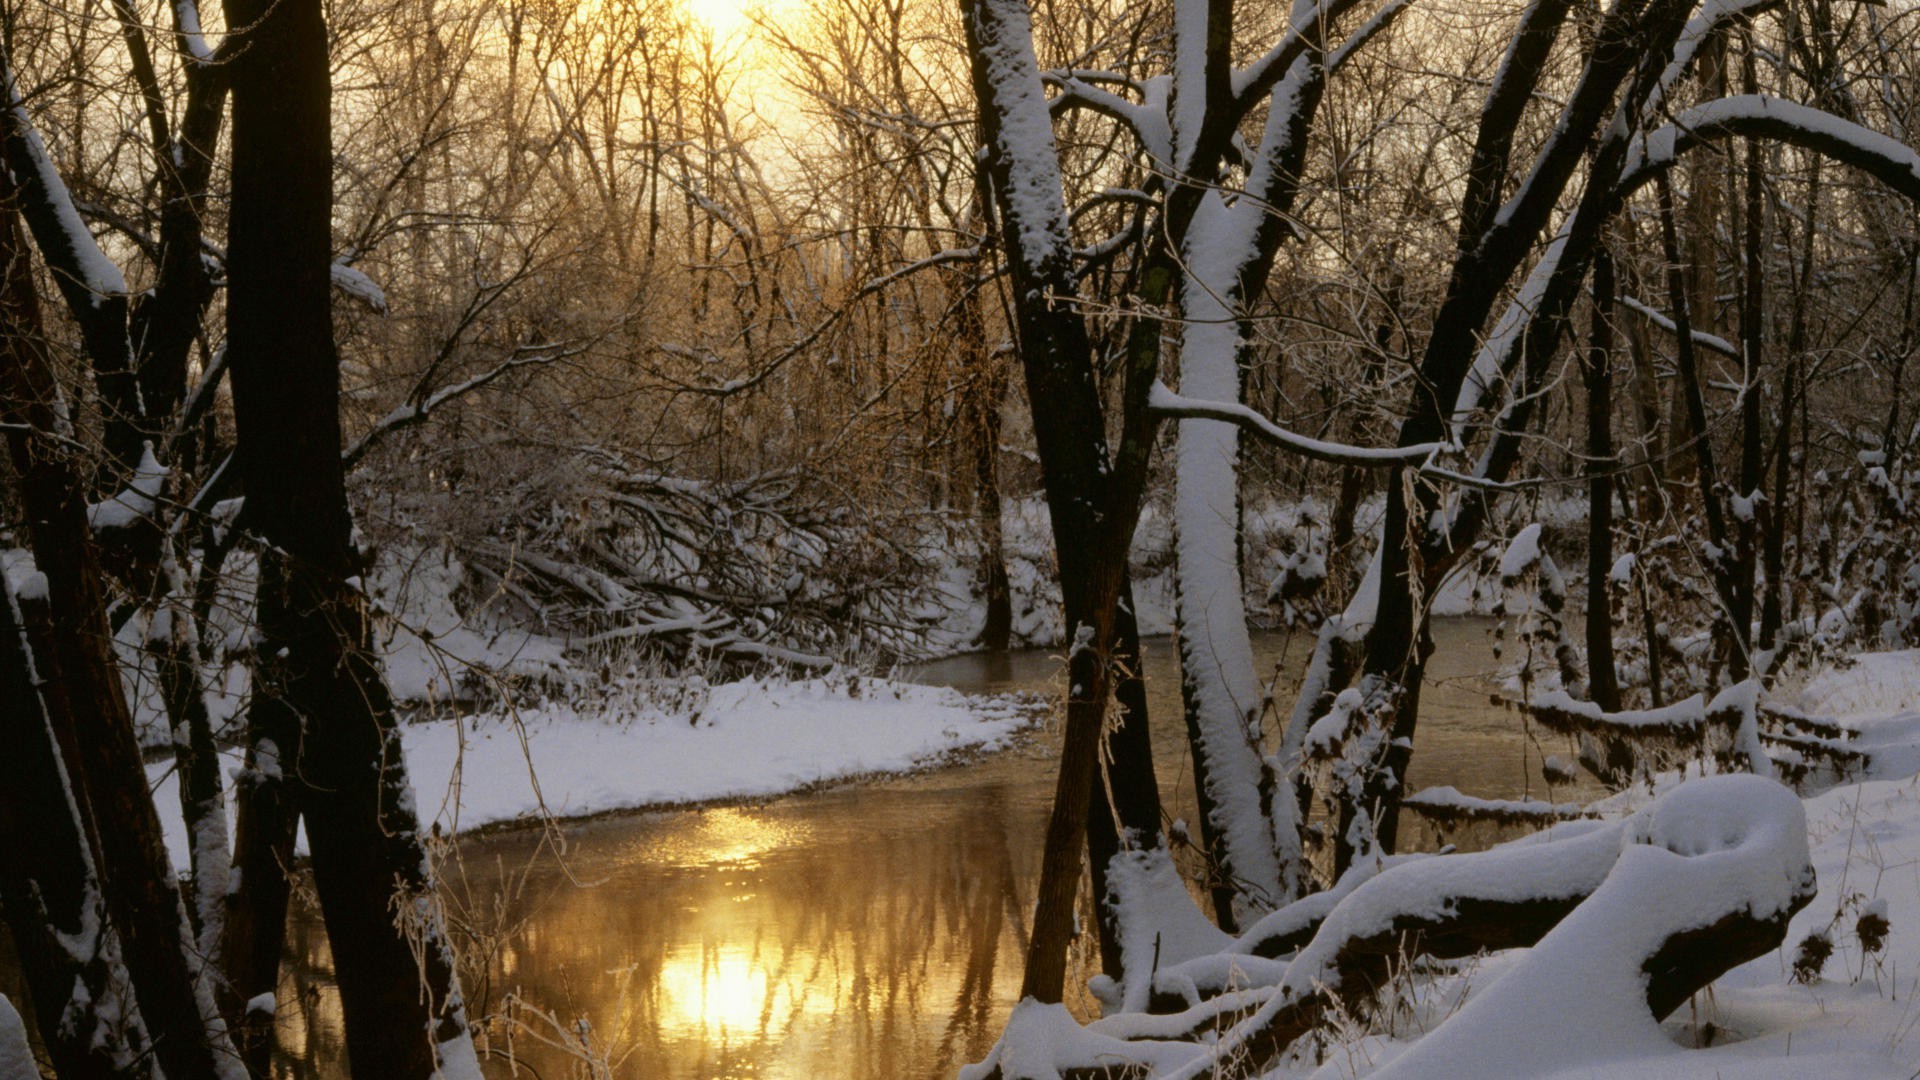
{"x":1165,"y":402}
{"x":1760,"y":115}
{"x":1700,"y":337}
{"x":413,"y":412}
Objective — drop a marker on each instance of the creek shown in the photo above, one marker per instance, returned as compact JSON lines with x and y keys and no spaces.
{"x":871,"y":931}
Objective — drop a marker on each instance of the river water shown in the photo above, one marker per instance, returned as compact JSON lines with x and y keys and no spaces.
{"x":866,"y":932}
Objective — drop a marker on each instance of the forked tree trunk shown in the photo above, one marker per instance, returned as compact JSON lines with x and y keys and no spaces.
{"x":1092,"y":494}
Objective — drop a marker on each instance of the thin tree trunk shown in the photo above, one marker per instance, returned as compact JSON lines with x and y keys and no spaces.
{"x":1602,"y":681}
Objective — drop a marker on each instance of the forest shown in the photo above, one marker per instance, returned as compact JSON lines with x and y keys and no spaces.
{"x":1019,"y":539}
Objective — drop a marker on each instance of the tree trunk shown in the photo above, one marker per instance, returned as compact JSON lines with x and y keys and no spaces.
{"x":1124,"y":812}
{"x":1092,"y":496}
{"x":1602,"y":681}
{"x":401,"y":997}
{"x":85,"y":703}
{"x":49,"y":888}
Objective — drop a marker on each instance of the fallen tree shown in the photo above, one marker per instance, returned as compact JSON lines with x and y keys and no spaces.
{"x":1625,"y":921}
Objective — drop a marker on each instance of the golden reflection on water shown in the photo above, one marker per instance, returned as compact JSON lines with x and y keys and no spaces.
{"x":729,"y":837}
{"x":712,"y":991}
{"x":858,"y":934}
{"x":867,"y":933}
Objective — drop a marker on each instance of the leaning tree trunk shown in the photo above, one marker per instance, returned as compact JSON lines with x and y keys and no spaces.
{"x":85,"y":704}
{"x":1092,"y":493}
{"x":398,"y":987}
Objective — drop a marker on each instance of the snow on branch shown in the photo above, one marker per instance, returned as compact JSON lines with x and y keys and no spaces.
{"x":1165,"y":402}
{"x":186,"y":17}
{"x":1306,"y":29}
{"x":417,"y":410}
{"x":1760,"y":115}
{"x":357,"y":284}
{"x":1447,"y":805}
{"x":70,"y":250}
{"x":1686,"y":719}
{"x":1366,"y":32}
{"x":1700,"y":337}
{"x":1076,"y":92}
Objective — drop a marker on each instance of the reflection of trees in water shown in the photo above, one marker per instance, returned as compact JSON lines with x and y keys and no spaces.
{"x":870,"y":947}
{"x":308,"y":1022}
{"x":986,"y":895}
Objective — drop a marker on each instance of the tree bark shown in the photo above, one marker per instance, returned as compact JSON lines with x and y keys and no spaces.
{"x":401,"y":997}
{"x":1602,"y":681}
{"x":86,"y":705}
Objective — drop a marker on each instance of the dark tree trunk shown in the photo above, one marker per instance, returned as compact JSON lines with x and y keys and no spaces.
{"x":986,"y":390}
{"x":1128,"y":799}
{"x":398,"y":990}
{"x":81,"y":691}
{"x":1688,"y":370}
{"x":49,"y":890}
{"x":1602,"y":682}
{"x":253,"y":936}
{"x":1092,"y":495}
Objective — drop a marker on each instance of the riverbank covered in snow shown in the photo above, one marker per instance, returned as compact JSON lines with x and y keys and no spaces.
{"x":1639,"y":910}
{"x":1839,"y":998}
{"x":676,"y":742}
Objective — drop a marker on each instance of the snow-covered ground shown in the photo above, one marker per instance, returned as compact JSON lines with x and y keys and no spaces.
{"x":1859,"y":1016}
{"x":1839,"y":998}
{"x":691,"y":743}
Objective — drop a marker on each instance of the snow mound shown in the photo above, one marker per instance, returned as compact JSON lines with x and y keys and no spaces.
{"x":1874,"y":684}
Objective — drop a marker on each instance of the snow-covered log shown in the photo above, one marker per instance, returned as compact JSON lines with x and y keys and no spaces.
{"x":1625,"y":920}
{"x":16,"y":1056}
{"x":1706,"y":879}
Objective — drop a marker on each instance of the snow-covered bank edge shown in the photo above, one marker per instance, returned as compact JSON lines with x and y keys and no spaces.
{"x":1668,"y":893}
{"x":749,"y":740}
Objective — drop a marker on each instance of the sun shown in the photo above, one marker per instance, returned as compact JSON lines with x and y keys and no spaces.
{"x":724,"y":18}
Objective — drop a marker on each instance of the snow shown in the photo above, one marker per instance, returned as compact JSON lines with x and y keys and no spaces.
{"x":1700,"y":337}
{"x":1577,"y":1000}
{"x":1872,"y":686}
{"x":1189,"y":96}
{"x":688,"y":744}
{"x":134,"y":502}
{"x":357,"y":284}
{"x":1660,"y":145}
{"x":187,"y":16}
{"x":432,"y":651}
{"x":22,"y":579}
{"x":1159,"y":924}
{"x":100,"y":275}
{"x":1034,"y":202}
{"x":1040,"y":1040}
{"x":16,"y":1056}
{"x":1162,"y":400}
{"x":1522,"y":553}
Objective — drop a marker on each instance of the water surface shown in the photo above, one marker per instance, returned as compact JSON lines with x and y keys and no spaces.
{"x":866,"y":932}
